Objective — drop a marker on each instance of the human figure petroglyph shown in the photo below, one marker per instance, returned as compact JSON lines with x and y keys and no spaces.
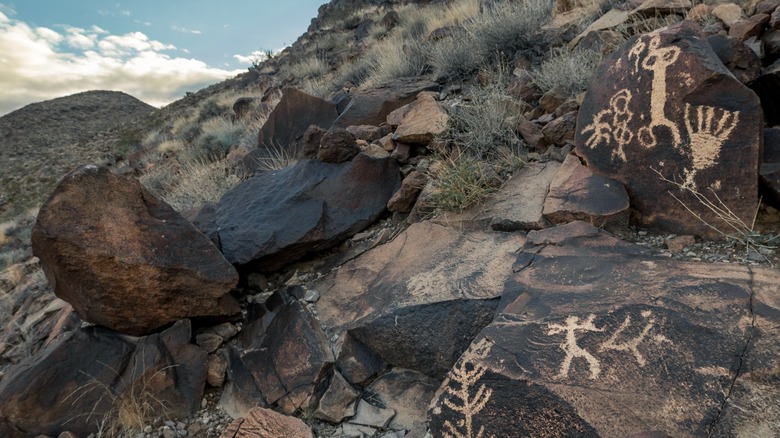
{"x":657,"y":61}
{"x":570,"y":347}
{"x":613,"y":123}
{"x":632,"y":345}
{"x":708,"y":128}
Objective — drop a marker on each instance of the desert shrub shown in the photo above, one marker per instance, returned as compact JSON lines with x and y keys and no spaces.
{"x":463,"y":182}
{"x":456,"y":57}
{"x":570,"y":69}
{"x":483,"y":126}
{"x":198,"y":183}
{"x":159,"y":178}
{"x":169,"y":146}
{"x":276,"y":158}
{"x":311,"y":66}
{"x":211,"y":109}
{"x":218,"y":136}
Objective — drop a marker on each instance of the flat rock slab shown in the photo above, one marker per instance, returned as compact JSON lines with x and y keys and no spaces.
{"x":125,"y":259}
{"x":265,"y":423}
{"x":516,"y":206}
{"x":601,"y":339}
{"x":276,"y":218}
{"x":425,"y":264}
{"x":665,"y":103}
{"x":576,"y":193}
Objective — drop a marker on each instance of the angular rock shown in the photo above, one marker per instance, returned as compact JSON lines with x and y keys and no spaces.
{"x":292,"y":359}
{"x":291,"y":117}
{"x":275,"y":218}
{"x":576,"y":193}
{"x":704,"y":132}
{"x":425,"y":264}
{"x":372,"y":416}
{"x":561,"y":130}
{"x":215,"y":370}
{"x":610,"y":20}
{"x":729,"y":13}
{"x":655,"y":8}
{"x":339,"y":400}
{"x":243,"y":106}
{"x":311,"y":141}
{"x":75,"y":382}
{"x":579,"y":349}
{"x":125,"y":259}
{"x":406,"y":392}
{"x":369,"y":132}
{"x":423,"y":122}
{"x":411,"y":336}
{"x":403,"y":200}
{"x":750,"y":27}
{"x":516,"y":206}
{"x":240,"y":394}
{"x":337,"y":146}
{"x":265,"y":423}
{"x":370,"y":106}
{"x":553,"y":99}
{"x":356,"y":361}
{"x":742,"y":62}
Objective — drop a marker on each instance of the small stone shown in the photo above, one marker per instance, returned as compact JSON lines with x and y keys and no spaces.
{"x":209,"y":341}
{"x":642,"y":233}
{"x":168,"y":432}
{"x":680,"y":243}
{"x":149,"y":429}
{"x":312,"y":295}
{"x":204,"y":403}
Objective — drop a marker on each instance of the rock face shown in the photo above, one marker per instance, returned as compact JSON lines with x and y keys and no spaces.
{"x":287,"y":355}
{"x":265,"y":423}
{"x":278,"y":217}
{"x":423,"y":122}
{"x":600,"y":339}
{"x":125,"y":259}
{"x":75,"y":382}
{"x":285,"y":126}
{"x":372,"y":105}
{"x":703,"y":131}
{"x":426,"y":264}
{"x":576,"y":193}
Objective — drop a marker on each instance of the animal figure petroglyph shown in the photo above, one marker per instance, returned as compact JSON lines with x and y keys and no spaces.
{"x":632,"y":345}
{"x":613,"y":124}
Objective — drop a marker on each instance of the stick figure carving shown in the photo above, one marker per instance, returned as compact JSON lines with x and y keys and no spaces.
{"x":570,"y":347}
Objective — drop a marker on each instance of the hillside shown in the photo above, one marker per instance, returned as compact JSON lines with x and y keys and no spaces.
{"x":42,"y":141}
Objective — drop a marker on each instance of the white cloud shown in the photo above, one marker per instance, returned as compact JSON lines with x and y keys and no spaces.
{"x":36,"y":65}
{"x":185,"y":30}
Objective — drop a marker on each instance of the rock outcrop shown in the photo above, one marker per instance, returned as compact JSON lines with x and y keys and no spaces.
{"x":275,"y":218}
{"x":125,"y":259}
{"x":638,"y":124}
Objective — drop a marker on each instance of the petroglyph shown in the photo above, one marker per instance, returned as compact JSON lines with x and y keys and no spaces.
{"x":464,"y":376}
{"x":570,"y":347}
{"x":657,"y":61}
{"x":573,"y":350}
{"x":632,"y":345}
{"x":612,"y":124}
{"x":708,"y":129}
{"x":701,"y":135}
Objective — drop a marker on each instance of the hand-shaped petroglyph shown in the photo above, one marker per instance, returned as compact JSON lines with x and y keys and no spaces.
{"x":570,"y":347}
{"x":708,"y":129}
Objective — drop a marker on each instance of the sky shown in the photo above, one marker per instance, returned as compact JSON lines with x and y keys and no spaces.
{"x":155,"y":50}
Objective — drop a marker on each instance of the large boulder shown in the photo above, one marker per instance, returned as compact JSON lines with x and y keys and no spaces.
{"x":93,"y":373}
{"x":126,"y":260}
{"x":282,"y":133}
{"x":275,"y":218}
{"x":664,"y":108}
{"x":600,"y":338}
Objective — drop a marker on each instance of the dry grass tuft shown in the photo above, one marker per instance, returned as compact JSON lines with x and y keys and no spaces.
{"x":198,"y":183}
{"x":463,"y":182}
{"x":311,"y":67}
{"x":570,"y":69}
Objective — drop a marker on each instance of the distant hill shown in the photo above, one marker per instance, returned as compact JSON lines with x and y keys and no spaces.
{"x":42,"y":141}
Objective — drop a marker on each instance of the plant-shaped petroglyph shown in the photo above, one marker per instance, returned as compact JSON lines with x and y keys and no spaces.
{"x":657,"y":60}
{"x":612,"y":124}
{"x":632,"y":345}
{"x":570,"y":346}
{"x":708,"y":128}
{"x":461,"y":395}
